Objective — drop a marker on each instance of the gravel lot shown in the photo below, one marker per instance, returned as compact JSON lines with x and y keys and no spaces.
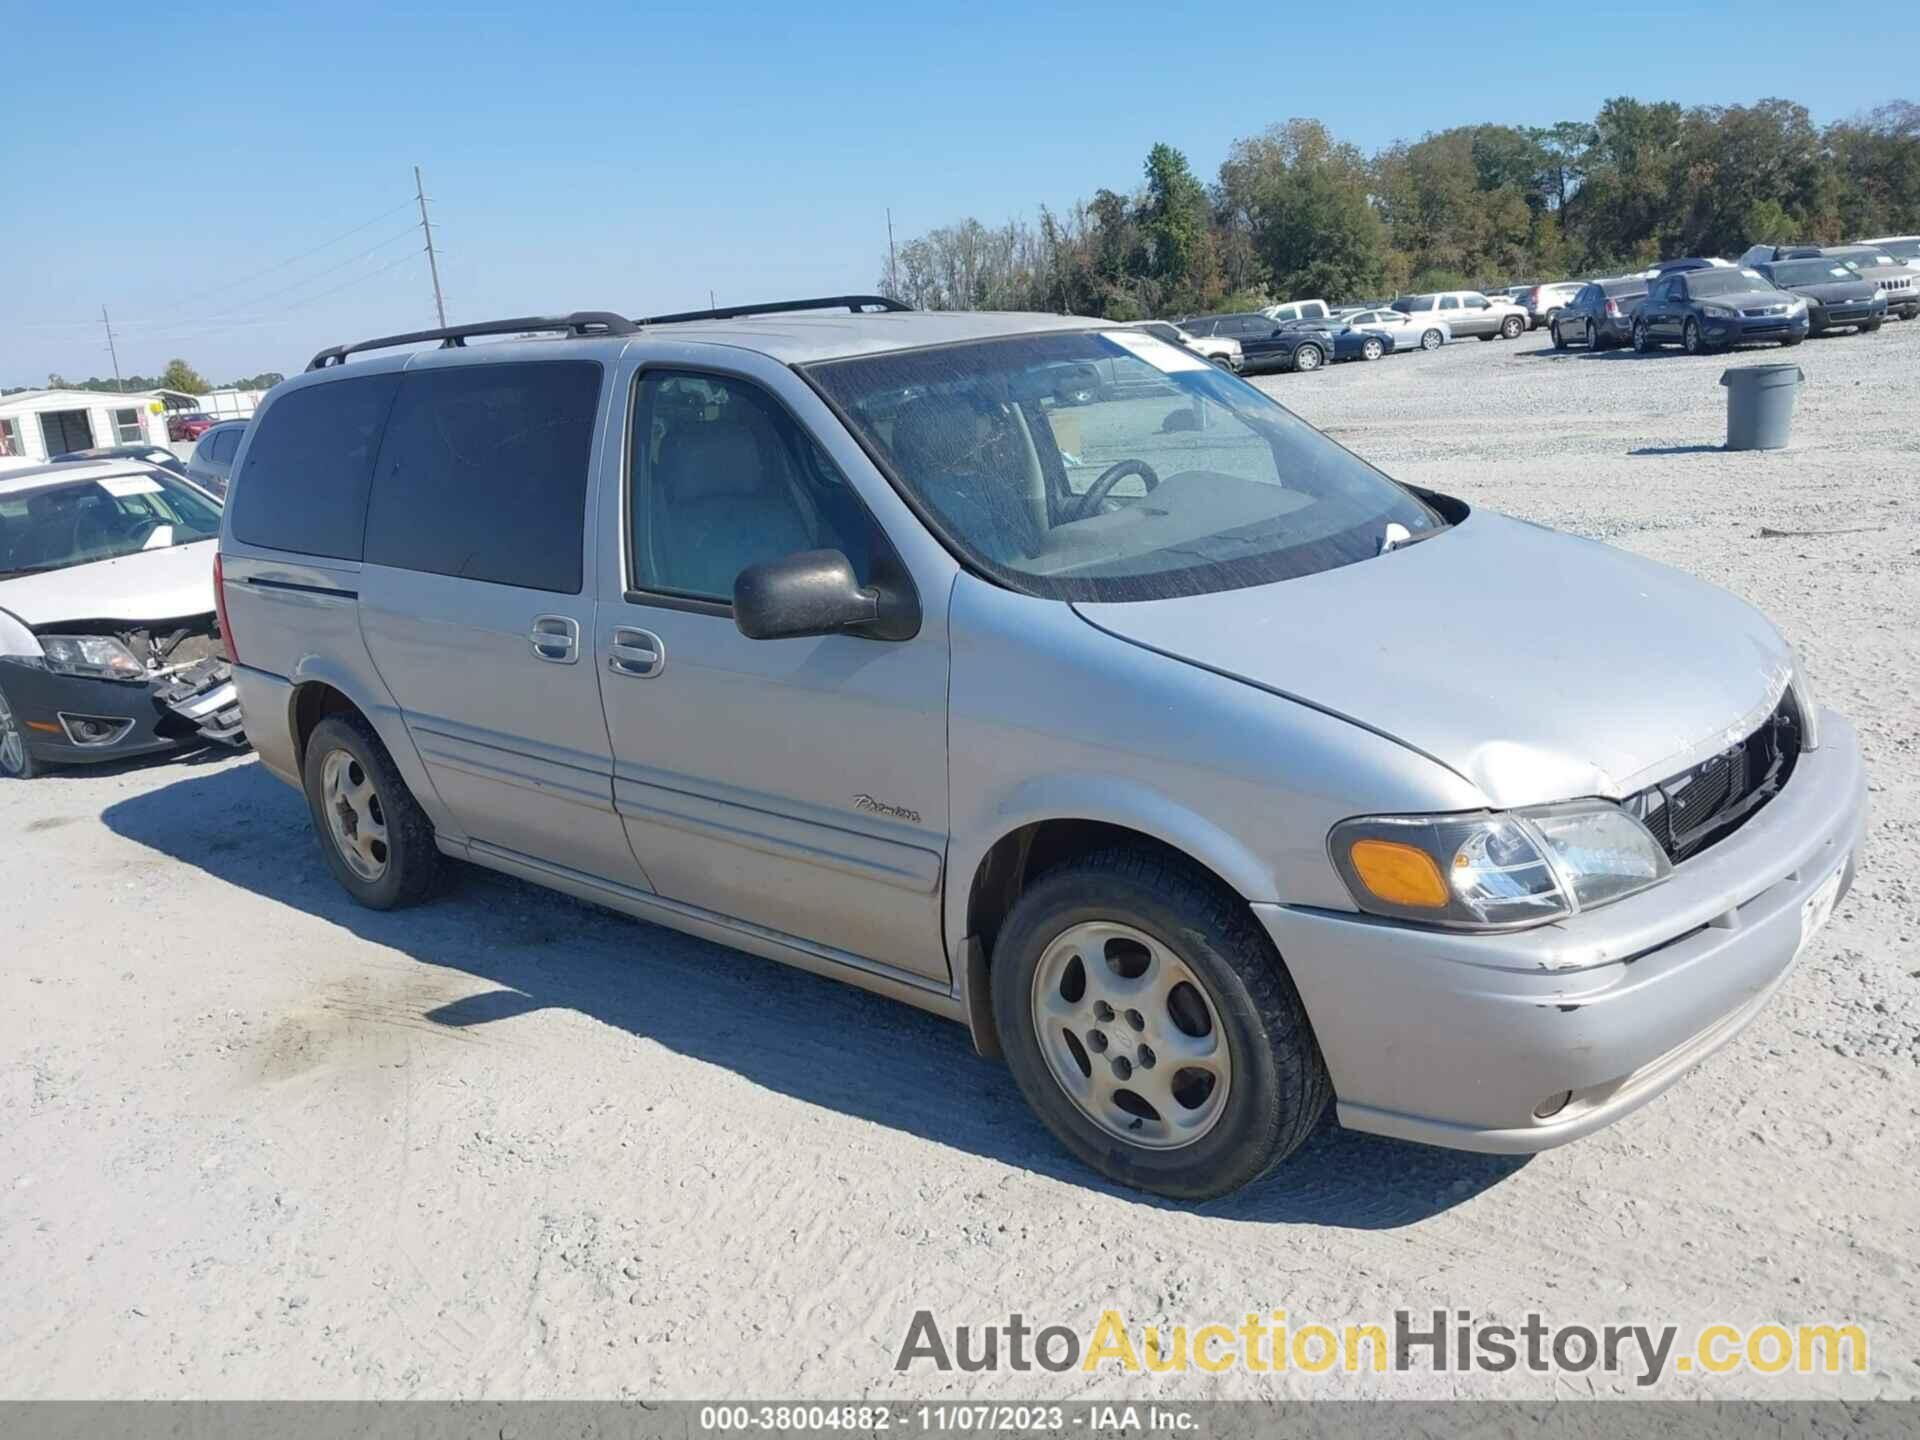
{"x":259,"y":1143}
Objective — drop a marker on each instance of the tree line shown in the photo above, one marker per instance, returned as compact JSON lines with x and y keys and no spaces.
{"x":178,"y":375}
{"x":1297,"y":212}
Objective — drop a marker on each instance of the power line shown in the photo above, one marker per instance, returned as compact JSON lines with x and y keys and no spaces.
{"x":229,"y":286}
{"x":284,"y":289}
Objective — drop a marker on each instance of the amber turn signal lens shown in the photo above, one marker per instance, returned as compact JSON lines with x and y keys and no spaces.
{"x":1399,"y":874}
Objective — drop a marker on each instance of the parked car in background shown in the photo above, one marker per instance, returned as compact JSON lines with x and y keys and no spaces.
{"x":110,"y":645}
{"x":1900,"y":280}
{"x":1300,"y":345}
{"x":1600,"y":315}
{"x":1406,"y":332}
{"x":146,"y":454}
{"x":1120,"y":735}
{"x":1298,"y":310}
{"x":1717,"y":307}
{"x":212,"y":459}
{"x":1467,"y":313}
{"x":1692,"y":262}
{"x":1762,"y":254}
{"x":1220,"y":349}
{"x":1905,"y":248}
{"x":188,"y":425}
{"x":1241,"y":326}
{"x":1836,"y":296}
{"x":1543,"y":302}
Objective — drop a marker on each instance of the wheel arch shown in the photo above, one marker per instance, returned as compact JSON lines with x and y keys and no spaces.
{"x":319,"y":689}
{"x":984,"y":887}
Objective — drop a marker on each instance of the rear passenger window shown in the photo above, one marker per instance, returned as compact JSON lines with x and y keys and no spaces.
{"x":224,"y":444}
{"x":483,"y":474}
{"x":304,"y":487}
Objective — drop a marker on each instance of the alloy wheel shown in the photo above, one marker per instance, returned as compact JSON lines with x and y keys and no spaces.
{"x":13,"y":742}
{"x":1372,"y":350}
{"x":1641,"y":340}
{"x":1306,"y":358}
{"x":1690,"y":337}
{"x":1593,"y":337}
{"x":1131,"y":1035}
{"x":356,"y":819}
{"x":1430,"y":340}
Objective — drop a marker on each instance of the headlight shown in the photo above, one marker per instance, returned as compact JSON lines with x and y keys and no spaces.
{"x":1804,"y":702}
{"x":1879,"y":293}
{"x":1496,"y":871}
{"x":1796,"y":307}
{"x":1718,"y":312}
{"x":98,"y":657}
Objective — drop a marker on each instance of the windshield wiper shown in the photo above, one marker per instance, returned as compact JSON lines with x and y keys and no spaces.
{"x":1398,"y":537}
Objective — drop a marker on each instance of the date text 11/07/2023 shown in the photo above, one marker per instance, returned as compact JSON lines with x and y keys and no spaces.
{"x":948,"y":1418}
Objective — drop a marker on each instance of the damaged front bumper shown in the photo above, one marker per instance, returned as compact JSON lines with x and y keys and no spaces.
{"x":77,"y":720}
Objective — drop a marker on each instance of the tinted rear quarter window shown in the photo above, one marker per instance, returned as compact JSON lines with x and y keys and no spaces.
{"x":483,"y":474}
{"x":304,"y":486}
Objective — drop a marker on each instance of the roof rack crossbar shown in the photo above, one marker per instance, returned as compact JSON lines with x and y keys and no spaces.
{"x":580,"y":322}
{"x":857,"y":304}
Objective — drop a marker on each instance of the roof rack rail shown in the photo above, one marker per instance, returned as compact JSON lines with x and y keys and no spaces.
{"x":858,"y":304}
{"x":581,"y":322}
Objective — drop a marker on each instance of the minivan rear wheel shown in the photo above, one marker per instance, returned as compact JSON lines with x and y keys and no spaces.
{"x":1152,"y":1027}
{"x":377,"y":840}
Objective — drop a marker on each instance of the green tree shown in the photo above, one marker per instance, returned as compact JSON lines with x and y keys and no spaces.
{"x":1175,"y":223}
{"x":179,"y":375}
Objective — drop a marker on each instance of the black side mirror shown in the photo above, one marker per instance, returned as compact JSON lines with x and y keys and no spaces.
{"x":816,"y":593}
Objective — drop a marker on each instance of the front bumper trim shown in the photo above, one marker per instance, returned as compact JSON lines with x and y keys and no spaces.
{"x":1456,"y":1040}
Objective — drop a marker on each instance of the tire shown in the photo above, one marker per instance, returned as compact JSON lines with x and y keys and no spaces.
{"x":17,"y":761}
{"x":1793,"y":340}
{"x":1690,"y":338}
{"x":1512,"y":327}
{"x":1643,"y":342}
{"x":1308,"y":357}
{"x":1593,"y":338}
{"x":1872,"y":327}
{"x":1372,"y":350}
{"x":1173,"y":919}
{"x":1559,"y":340}
{"x":1432,"y":340}
{"x":1490,"y":335}
{"x":400,"y":866}
{"x":1224,"y":363}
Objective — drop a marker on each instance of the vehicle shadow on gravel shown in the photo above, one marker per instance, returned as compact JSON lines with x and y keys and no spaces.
{"x":814,"y":1039}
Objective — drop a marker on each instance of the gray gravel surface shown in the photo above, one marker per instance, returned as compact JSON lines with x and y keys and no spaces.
{"x":256,"y":1142}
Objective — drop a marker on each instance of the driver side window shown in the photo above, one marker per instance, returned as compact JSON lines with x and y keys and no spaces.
{"x":721,"y":477}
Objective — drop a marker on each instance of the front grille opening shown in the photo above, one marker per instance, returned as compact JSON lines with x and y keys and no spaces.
{"x":1693,"y":811}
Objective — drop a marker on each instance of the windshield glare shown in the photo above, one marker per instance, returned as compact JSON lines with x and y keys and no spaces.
{"x":1094,"y":466}
{"x":1811,"y":272}
{"x":1723,"y":282}
{"x":62,"y":522}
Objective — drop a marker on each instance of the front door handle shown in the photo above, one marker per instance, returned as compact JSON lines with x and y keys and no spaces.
{"x":633,"y":651}
{"x":555,"y":638}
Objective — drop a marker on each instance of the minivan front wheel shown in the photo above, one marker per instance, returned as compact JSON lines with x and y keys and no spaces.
{"x":377,"y":840}
{"x":1151,"y":1026}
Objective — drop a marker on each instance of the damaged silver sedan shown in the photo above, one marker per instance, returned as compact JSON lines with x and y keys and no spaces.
{"x":110,"y":642}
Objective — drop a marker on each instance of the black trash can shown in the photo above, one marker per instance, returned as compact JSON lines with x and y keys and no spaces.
{"x":1760,"y":405}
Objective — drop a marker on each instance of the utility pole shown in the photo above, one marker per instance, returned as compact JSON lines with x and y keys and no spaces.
{"x":433,"y":264}
{"x":118,"y":383}
{"x":893,"y":265}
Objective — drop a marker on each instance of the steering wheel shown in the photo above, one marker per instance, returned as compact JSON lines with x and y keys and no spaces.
{"x":1110,"y":477}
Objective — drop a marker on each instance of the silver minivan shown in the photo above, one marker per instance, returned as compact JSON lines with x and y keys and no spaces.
{"x":1206,"y":773}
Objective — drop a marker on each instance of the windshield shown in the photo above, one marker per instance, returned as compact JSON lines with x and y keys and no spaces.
{"x":1867,"y":262}
{"x":52,"y":525}
{"x":1109,"y":466}
{"x":1724,"y":282}
{"x":1810,"y":272}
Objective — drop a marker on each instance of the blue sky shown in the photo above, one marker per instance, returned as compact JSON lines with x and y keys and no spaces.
{"x":625,"y":156}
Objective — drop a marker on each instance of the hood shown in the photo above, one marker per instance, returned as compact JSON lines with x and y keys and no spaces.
{"x":1840,"y":291}
{"x":1536,"y":665}
{"x":149,"y":585}
{"x":1751,"y":299}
